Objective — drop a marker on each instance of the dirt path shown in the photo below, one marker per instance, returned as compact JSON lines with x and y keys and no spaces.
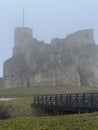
{"x":6,"y":99}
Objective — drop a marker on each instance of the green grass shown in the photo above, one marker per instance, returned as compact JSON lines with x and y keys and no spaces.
{"x":28,"y":92}
{"x":24,"y":117}
{"x":21,"y":106}
{"x":67,"y":122}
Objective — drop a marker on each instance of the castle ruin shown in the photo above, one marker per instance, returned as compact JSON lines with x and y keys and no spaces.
{"x":69,"y":61}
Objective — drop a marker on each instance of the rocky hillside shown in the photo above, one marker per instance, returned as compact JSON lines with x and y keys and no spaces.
{"x":70,"y":61}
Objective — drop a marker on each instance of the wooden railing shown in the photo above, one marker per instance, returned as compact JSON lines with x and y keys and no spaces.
{"x":68,"y":102}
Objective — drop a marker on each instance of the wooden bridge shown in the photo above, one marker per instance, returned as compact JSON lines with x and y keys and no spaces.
{"x":64,"y":103}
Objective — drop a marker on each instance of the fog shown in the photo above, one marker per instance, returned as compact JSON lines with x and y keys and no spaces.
{"x":48,"y":19}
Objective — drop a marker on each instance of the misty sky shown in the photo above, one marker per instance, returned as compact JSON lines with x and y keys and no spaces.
{"x":47,"y":18}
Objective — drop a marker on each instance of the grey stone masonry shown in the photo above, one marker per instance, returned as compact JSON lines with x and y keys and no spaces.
{"x":69,"y":61}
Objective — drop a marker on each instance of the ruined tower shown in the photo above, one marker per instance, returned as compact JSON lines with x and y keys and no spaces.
{"x":22,"y":37}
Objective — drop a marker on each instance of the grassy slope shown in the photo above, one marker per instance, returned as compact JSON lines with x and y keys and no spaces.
{"x":28,"y":92}
{"x":68,"y":122}
{"x":21,"y":107}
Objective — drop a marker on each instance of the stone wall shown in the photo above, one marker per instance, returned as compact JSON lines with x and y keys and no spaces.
{"x":60,"y":76}
{"x":80,"y":38}
{"x":1,"y":83}
{"x":69,"y":61}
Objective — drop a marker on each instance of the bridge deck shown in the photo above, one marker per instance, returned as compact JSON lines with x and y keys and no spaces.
{"x":68,"y":102}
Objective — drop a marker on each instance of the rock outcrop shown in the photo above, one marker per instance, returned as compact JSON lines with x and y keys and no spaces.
{"x":70,"y":61}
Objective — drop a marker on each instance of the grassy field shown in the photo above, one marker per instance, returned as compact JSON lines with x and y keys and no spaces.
{"x":28,"y":92}
{"x":22,"y":116}
{"x":21,"y":105}
{"x":67,"y":122}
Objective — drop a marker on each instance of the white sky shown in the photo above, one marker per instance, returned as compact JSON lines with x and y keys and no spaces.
{"x":47,"y":18}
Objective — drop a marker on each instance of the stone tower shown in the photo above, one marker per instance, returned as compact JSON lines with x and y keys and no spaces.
{"x":22,"y":37}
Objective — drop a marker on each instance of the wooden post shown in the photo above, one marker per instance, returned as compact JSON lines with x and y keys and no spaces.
{"x":92,"y":100}
{"x":83,"y":100}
